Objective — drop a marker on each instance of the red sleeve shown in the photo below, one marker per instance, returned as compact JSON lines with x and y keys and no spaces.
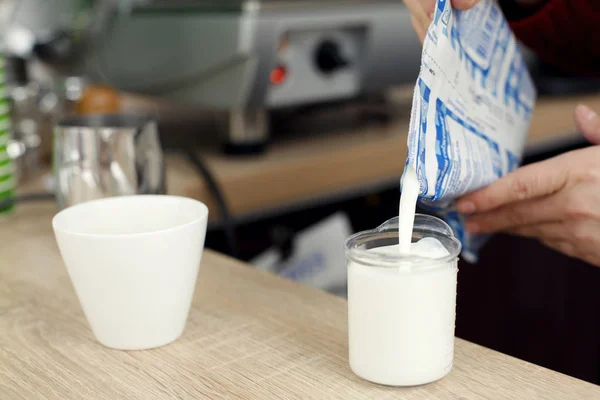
{"x":566,"y":34}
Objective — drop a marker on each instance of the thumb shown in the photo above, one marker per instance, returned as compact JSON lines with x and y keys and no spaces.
{"x":588,"y":122}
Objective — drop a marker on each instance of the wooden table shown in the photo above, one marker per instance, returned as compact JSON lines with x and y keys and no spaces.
{"x":311,"y":167}
{"x":249,"y":336}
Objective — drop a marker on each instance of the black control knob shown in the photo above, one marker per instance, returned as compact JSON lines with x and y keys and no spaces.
{"x":329,"y":57}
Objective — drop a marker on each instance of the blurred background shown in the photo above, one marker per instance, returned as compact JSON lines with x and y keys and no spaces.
{"x":289,"y":119}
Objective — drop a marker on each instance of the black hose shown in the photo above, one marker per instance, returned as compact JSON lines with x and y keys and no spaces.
{"x":226,"y":217}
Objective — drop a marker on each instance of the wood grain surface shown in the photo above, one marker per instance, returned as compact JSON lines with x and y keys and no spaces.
{"x":308,"y":167}
{"x":249,"y":336}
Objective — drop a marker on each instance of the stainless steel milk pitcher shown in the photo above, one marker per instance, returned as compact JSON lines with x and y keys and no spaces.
{"x":100,"y":156}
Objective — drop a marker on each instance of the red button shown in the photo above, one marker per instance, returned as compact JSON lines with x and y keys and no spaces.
{"x":278,"y":75}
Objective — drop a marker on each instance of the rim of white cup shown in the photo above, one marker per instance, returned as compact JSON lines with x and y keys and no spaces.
{"x":61,"y":214}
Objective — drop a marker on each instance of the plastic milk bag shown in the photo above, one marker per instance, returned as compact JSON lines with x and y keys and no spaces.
{"x":472,"y":106}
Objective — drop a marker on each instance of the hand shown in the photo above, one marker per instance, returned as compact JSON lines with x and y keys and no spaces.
{"x":556,"y":201}
{"x":421,"y":13}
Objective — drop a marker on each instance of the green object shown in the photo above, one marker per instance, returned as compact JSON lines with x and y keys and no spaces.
{"x":7,"y":185}
{"x":7,"y":174}
{"x":7,"y":170}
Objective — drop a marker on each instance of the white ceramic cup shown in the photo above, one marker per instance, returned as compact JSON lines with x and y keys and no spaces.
{"x":133,"y":261}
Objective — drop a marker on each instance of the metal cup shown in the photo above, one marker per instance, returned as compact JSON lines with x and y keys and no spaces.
{"x":99,"y":156}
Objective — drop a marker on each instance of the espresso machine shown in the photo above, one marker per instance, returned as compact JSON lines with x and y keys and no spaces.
{"x":245,"y":59}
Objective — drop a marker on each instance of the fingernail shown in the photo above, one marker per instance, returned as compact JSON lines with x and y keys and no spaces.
{"x":465,"y":207}
{"x":472,"y":227}
{"x":585,"y":112}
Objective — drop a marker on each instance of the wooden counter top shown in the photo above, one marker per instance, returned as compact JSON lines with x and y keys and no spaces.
{"x":250,"y":336}
{"x":313,"y":167}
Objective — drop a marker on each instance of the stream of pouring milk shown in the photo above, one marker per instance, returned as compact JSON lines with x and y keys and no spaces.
{"x":407,"y":209}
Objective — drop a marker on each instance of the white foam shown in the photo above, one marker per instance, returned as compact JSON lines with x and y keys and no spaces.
{"x":429,"y":247}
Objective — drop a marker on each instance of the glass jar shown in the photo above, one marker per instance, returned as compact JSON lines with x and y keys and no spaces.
{"x":401,"y":308}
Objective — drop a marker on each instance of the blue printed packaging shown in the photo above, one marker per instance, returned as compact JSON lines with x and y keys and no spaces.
{"x":472,"y":107}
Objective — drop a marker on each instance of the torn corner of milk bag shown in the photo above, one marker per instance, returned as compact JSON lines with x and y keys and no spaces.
{"x":472,"y":106}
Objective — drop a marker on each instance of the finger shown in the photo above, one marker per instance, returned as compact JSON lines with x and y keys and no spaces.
{"x":532,"y":181}
{"x":551,"y":232}
{"x":420,"y":11}
{"x":418,"y":8}
{"x":575,"y":240}
{"x":529,"y":212}
{"x":551,"y":235}
{"x":428,"y":7}
{"x":464,"y":4}
{"x":588,"y":122}
{"x":419,"y":29}
{"x":561,"y":246}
